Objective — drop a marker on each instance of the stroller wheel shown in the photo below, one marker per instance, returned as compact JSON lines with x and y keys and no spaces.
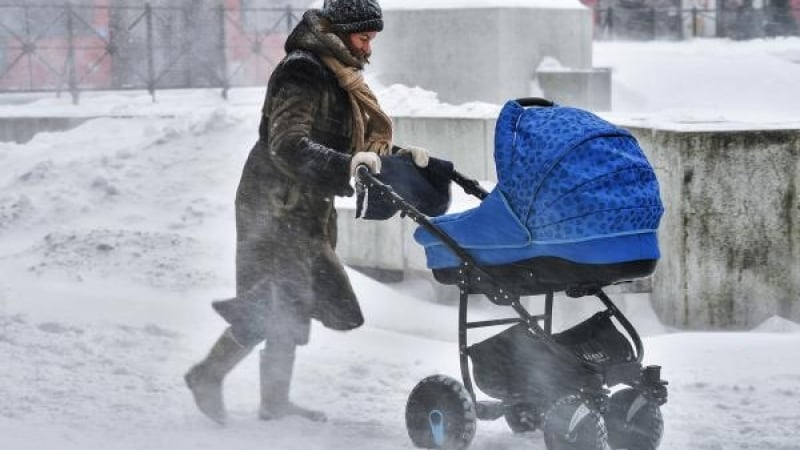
{"x":633,"y":422}
{"x":570,"y":424}
{"x":440,"y":414}
{"x":523,"y":417}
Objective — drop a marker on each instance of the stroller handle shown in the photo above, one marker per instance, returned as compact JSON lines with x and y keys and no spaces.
{"x":470,"y":185}
{"x":362,"y":170}
{"x":534,"y":101}
{"x":364,"y":176}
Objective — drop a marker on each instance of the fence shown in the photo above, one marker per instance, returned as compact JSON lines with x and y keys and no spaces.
{"x":743,"y":22}
{"x":76,"y":48}
{"x":72,"y":48}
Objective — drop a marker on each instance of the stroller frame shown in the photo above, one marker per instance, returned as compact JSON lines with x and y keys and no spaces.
{"x":646,"y":379}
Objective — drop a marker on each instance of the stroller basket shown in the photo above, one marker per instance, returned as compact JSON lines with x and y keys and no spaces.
{"x":537,"y":372}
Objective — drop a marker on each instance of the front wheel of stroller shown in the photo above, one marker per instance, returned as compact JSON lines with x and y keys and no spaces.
{"x":571,"y":424}
{"x":633,"y":422}
{"x":440,"y":414}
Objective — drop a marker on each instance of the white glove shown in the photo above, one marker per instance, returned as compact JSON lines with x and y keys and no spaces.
{"x":369,"y":159}
{"x":418,"y":154}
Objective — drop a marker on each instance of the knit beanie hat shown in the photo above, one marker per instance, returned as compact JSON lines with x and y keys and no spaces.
{"x":353,"y":16}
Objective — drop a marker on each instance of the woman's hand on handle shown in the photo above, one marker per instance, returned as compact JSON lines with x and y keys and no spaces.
{"x":418,"y":154}
{"x":369,"y":159}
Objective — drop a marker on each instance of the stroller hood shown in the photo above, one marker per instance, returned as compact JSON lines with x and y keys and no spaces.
{"x":569,"y":175}
{"x":569,"y":185}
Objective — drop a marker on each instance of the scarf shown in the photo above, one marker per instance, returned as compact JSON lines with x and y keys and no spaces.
{"x":372,"y":128}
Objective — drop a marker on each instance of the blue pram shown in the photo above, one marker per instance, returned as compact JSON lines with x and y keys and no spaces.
{"x":575,"y":209}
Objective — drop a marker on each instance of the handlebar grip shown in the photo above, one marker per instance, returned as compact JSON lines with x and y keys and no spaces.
{"x":362,"y":171}
{"x":534,"y":101}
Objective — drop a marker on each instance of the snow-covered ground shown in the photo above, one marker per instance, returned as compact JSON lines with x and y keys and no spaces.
{"x":708,"y":82}
{"x":116,"y":235}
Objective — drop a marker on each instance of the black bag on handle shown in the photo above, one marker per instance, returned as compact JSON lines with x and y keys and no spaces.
{"x":426,"y":189}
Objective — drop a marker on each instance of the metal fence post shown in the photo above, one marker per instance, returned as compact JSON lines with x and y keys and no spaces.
{"x":653,"y":22}
{"x":223,"y":61}
{"x":610,"y":22}
{"x":694,"y":21}
{"x":72,"y":79}
{"x":151,"y":82}
{"x":186,"y":49}
{"x":289,"y":17}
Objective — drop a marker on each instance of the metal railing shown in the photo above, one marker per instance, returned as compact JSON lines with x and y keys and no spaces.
{"x":646,"y":23}
{"x":74,"y":48}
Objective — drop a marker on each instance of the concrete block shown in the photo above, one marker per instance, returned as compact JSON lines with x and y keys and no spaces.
{"x":488,"y":54}
{"x":373,"y":244}
{"x":729,"y":240}
{"x":588,"y":89}
{"x":465,"y":141}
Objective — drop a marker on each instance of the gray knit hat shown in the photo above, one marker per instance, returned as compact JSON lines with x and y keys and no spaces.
{"x":353,"y":16}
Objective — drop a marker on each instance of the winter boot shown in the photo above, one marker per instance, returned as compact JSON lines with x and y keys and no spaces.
{"x":277,"y":363}
{"x":205,"y":378}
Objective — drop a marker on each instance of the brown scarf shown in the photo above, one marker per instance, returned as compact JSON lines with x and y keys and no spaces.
{"x":372,"y":128}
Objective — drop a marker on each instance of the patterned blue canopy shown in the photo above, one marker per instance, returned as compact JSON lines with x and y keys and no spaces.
{"x":570,"y":185}
{"x":567,"y":174}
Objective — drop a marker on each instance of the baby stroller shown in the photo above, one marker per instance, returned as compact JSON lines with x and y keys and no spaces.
{"x":575,"y":209}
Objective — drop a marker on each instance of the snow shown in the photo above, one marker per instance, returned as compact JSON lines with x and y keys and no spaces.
{"x":116,"y":235}
{"x":704,"y":83}
{"x":400,"y":100}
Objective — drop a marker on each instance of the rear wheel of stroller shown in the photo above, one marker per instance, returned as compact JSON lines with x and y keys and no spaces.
{"x":523,"y":417}
{"x":440,"y":414}
{"x":571,"y":424}
{"x":633,"y":422}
